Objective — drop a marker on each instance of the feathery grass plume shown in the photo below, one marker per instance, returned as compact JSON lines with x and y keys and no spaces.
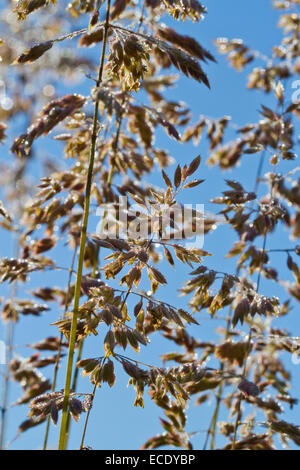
{"x":52,"y":114}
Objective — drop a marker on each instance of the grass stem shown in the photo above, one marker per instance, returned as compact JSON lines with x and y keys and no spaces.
{"x":63,"y":426}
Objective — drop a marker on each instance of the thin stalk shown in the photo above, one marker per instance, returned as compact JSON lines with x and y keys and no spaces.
{"x":5,"y":395}
{"x":89,"y":411}
{"x":281,"y":250}
{"x":95,"y":388}
{"x":10,"y":329}
{"x":63,"y":426}
{"x":73,"y":388}
{"x":238,"y":416}
{"x":259,"y":172}
{"x":142,"y":16}
{"x":79,"y":356}
{"x":216,"y":414}
{"x":56,"y":367}
{"x":213,"y":424}
{"x":95,"y":267}
{"x":87,"y":418}
{"x":219,"y":397}
{"x":109,"y":181}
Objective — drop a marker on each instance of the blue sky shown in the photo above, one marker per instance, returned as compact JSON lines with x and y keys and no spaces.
{"x":114,"y":422}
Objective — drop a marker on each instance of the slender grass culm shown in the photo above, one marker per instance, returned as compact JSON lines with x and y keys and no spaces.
{"x":63,"y":426}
